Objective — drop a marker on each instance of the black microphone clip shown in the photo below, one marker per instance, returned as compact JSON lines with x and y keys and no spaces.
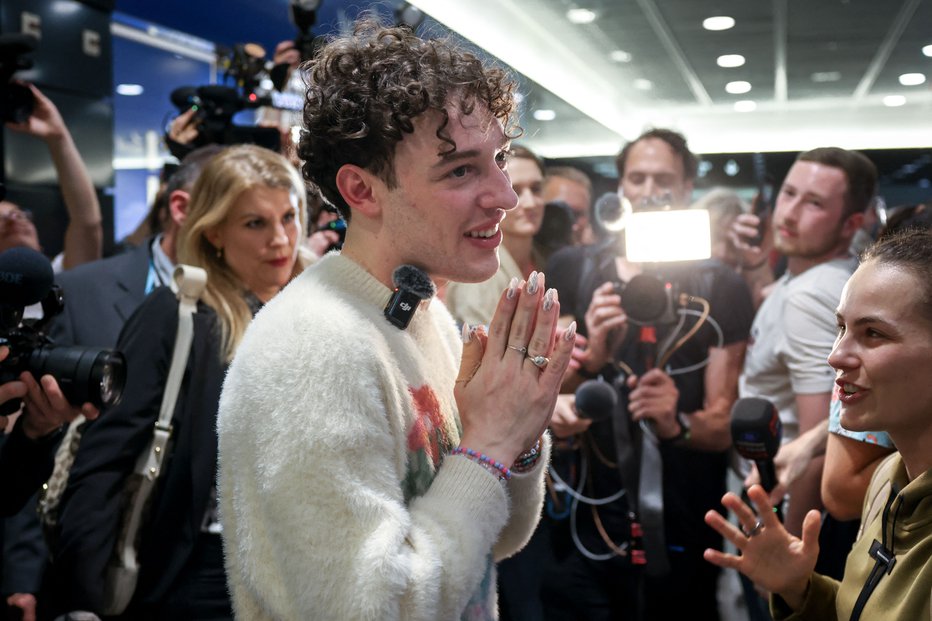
{"x":412,"y":286}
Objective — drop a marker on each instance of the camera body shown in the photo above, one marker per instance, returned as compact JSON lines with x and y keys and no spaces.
{"x":84,"y":374}
{"x":16,"y":100}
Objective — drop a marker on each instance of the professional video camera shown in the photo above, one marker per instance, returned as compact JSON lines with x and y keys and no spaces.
{"x":85,"y":374}
{"x":15,"y":99}
{"x":246,"y":67}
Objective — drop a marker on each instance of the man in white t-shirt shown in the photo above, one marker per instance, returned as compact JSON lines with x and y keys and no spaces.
{"x":818,"y":210}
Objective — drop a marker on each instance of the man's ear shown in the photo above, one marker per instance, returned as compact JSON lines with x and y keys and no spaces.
{"x":852,"y":224}
{"x":359,"y":188}
{"x":178,"y":202}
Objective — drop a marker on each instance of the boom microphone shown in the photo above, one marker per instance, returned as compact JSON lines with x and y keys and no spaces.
{"x":25,"y":277}
{"x":412,"y":285}
{"x":595,"y":400}
{"x":756,"y":431}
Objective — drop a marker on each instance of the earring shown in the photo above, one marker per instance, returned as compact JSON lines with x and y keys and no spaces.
{"x":220,"y":253}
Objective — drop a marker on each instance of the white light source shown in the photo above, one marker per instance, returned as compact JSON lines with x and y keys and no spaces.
{"x":719,"y":22}
{"x":130,"y":90}
{"x":912,"y":79}
{"x":730,"y":60}
{"x":894,"y":101}
{"x":738,"y":87}
{"x":745,"y":105}
{"x":545,"y":115}
{"x":643,"y":85}
{"x":677,"y":235}
{"x":826,"y":76}
{"x":927,"y":50}
{"x":580,"y":16}
{"x":620,"y":56}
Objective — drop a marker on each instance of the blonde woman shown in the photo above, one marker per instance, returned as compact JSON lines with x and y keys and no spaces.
{"x":243,"y":226}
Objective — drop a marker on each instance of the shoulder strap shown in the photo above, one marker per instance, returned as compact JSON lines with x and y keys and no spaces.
{"x":188,"y":282}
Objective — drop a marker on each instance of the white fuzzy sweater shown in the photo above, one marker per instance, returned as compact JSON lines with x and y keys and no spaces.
{"x":338,"y":498}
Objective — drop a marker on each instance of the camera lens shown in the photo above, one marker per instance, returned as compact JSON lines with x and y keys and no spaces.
{"x":85,"y":375}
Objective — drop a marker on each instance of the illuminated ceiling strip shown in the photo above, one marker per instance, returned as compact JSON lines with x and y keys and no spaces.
{"x":519,"y":39}
{"x":169,"y":45}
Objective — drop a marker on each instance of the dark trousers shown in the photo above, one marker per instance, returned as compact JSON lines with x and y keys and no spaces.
{"x":200,"y":592}
{"x":581,"y":589}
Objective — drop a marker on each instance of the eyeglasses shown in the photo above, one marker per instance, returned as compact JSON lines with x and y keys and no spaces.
{"x":14,"y":215}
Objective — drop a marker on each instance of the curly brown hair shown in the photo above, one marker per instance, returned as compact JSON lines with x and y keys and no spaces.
{"x":366,"y":89}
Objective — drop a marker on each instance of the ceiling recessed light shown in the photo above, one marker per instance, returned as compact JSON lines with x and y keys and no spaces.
{"x":580,"y":16}
{"x":730,"y":60}
{"x":719,"y":22}
{"x":738,"y":87}
{"x":620,"y":56}
{"x":927,"y":50}
{"x":643,"y":85}
{"x":130,"y":90}
{"x":745,"y":105}
{"x":545,"y":115}
{"x":912,"y":79}
{"x":826,"y":76}
{"x":894,"y":101}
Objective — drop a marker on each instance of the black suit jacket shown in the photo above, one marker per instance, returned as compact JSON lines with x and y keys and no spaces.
{"x":90,"y":506}
{"x":99,"y":297}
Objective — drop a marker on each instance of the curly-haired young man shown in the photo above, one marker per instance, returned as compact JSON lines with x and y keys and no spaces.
{"x":361,"y":475}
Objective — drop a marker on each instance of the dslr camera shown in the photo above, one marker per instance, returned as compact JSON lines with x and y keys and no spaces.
{"x":84,"y":374}
{"x":15,"y":99}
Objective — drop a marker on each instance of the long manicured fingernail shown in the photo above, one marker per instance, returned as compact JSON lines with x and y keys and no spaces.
{"x":512,"y":288}
{"x":570,"y":333}
{"x":467,"y":333}
{"x":532,"y":283}
{"x":549,"y":298}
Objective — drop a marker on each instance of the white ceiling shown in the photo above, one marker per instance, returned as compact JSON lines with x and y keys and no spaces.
{"x":865,"y":45}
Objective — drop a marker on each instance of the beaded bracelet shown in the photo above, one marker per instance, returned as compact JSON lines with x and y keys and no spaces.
{"x":528,"y":459}
{"x":493,"y":466}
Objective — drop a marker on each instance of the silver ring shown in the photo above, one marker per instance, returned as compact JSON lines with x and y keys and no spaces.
{"x":520,"y":350}
{"x":754,"y":531}
{"x":539,"y":361}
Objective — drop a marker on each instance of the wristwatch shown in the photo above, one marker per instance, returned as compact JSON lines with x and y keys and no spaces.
{"x":683,"y":435}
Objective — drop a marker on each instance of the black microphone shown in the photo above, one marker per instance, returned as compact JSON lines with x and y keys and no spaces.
{"x":412,"y":285}
{"x":25,"y":276}
{"x":595,"y":400}
{"x":756,"y":431}
{"x":644,"y":298}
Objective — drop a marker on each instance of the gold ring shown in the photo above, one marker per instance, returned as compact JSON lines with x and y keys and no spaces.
{"x":520,"y":350}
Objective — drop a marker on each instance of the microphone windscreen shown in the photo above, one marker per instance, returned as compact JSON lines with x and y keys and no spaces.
{"x":756,"y":429}
{"x":644,"y":298}
{"x":25,"y":276}
{"x":595,"y":400}
{"x":415,"y":280}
